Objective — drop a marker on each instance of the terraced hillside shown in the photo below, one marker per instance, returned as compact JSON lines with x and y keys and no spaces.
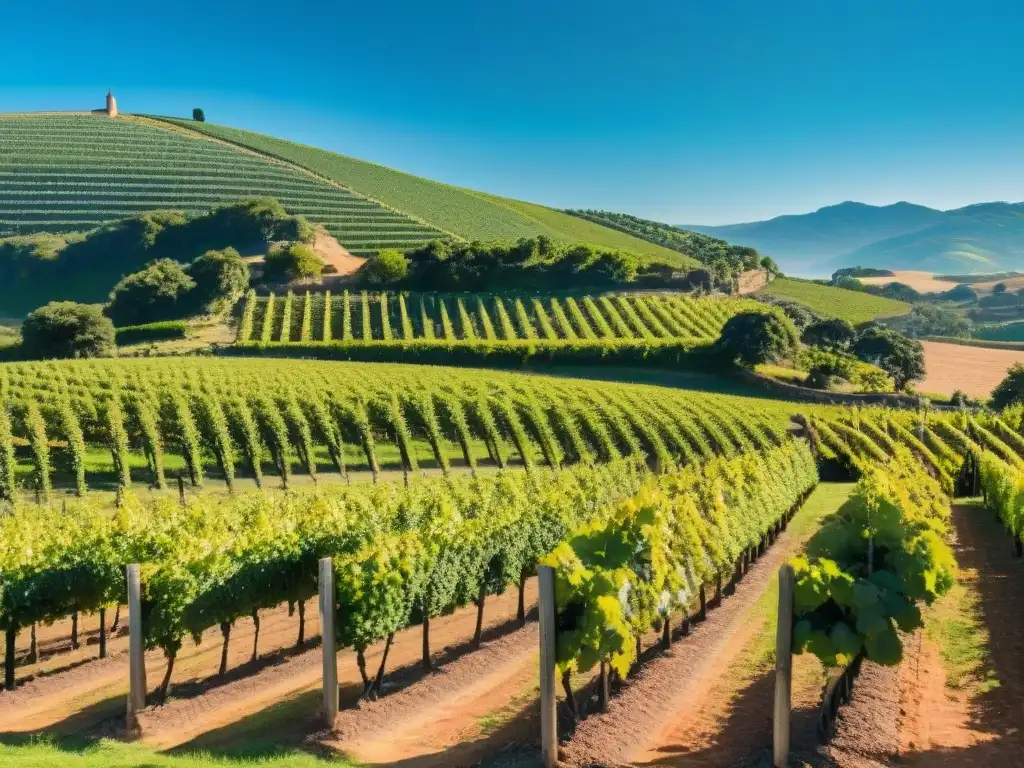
{"x":62,"y":173}
{"x":463,"y":212}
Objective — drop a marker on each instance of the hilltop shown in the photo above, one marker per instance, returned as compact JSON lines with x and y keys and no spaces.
{"x":986,"y":237}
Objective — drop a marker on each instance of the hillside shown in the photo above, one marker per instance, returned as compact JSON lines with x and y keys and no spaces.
{"x":827,"y":300}
{"x":983,"y":237}
{"x":462,"y":212}
{"x":64,"y":173}
{"x":701,"y":247}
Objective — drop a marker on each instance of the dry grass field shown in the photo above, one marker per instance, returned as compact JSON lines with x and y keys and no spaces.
{"x":974,"y":370}
{"x":923,"y":282}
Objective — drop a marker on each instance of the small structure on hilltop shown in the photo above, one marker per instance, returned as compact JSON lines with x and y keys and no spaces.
{"x":111,"y":109}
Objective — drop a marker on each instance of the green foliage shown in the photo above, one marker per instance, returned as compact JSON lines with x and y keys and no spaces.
{"x":1009,"y":391}
{"x":894,"y":353}
{"x":830,"y":333}
{"x":221,"y":277}
{"x":388,"y":267}
{"x":157,"y":292}
{"x":1003,"y":488}
{"x":198,"y":115}
{"x":64,"y":329}
{"x":159,"y":331}
{"x":868,"y":568}
{"x":292,"y":261}
{"x":932,"y":320}
{"x":751,"y":338}
{"x":852,"y":306}
{"x":823,"y":366}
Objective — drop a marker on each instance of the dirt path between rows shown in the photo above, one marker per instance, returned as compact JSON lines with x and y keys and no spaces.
{"x":943,"y":727}
{"x":649,"y":721}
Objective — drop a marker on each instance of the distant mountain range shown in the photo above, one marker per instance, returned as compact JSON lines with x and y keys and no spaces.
{"x":987,"y":237}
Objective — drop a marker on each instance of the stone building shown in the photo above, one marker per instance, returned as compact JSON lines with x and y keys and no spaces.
{"x":111,"y":109}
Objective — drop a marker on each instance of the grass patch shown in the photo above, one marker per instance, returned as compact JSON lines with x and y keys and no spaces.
{"x":853,"y":306}
{"x":47,"y":753}
{"x":954,"y":624}
{"x":789,"y":375}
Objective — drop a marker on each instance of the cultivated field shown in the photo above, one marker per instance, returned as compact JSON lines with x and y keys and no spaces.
{"x":853,"y":306}
{"x":463,"y":212}
{"x":973,"y":370}
{"x":73,"y":173}
{"x":923,"y":282}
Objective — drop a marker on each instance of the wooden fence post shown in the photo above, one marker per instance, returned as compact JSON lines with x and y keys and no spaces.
{"x":136,"y":650}
{"x":330,"y":651}
{"x":548,"y":700}
{"x":783,"y":669}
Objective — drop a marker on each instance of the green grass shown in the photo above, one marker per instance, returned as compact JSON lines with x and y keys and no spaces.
{"x":72,"y":173}
{"x":113,"y":754}
{"x":854,"y":306}
{"x":462,"y":212}
{"x":1013,"y":331}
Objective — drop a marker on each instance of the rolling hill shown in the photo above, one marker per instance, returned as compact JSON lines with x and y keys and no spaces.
{"x":74,"y":172}
{"x":978,"y":238}
{"x":462,"y":212}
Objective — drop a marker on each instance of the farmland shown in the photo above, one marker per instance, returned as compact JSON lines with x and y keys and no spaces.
{"x":853,"y":306}
{"x":73,"y":173}
{"x":462,"y":212}
{"x":974,"y":370}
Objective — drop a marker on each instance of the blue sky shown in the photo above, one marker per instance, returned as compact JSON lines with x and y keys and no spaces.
{"x":688,"y":112}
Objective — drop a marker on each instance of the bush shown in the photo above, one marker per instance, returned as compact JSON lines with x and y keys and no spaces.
{"x":931,"y":320}
{"x":386,"y":268}
{"x":959,"y":293}
{"x":1010,"y":390}
{"x":64,"y":329}
{"x":221,"y":277}
{"x":198,"y":115}
{"x":292,"y":262}
{"x":825,"y":367}
{"x":894,"y":353}
{"x":831,"y":333}
{"x":157,"y":292}
{"x":999,"y":288}
{"x":801,"y":315}
{"x":167,"y":329}
{"x":751,"y":338}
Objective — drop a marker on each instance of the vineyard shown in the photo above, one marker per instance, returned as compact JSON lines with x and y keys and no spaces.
{"x":112,"y":424}
{"x":364,"y":316}
{"x":463,"y":212}
{"x":74,"y":173}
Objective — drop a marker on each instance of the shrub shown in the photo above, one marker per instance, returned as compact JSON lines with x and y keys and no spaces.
{"x":221,"y":277}
{"x":1010,"y":390}
{"x":894,"y":353}
{"x":291,"y":262}
{"x":831,"y":333}
{"x":824,"y":367}
{"x":999,"y":288}
{"x":157,"y":292}
{"x":63,"y":329}
{"x":757,"y":337}
{"x":386,"y":268}
{"x":198,"y":115}
{"x":167,"y":329}
{"x":959,"y":293}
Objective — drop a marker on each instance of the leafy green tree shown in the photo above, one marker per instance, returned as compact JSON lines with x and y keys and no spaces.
{"x":292,"y":262}
{"x":66,"y":329}
{"x":198,"y":115}
{"x":999,"y":288}
{"x":750,"y":338}
{"x":221,"y":277}
{"x":157,"y":292}
{"x":388,"y":267}
{"x":894,"y":353}
{"x":830,"y":333}
{"x":1011,"y":389}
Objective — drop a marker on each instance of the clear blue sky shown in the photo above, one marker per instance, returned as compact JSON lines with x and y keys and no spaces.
{"x":696,"y":112}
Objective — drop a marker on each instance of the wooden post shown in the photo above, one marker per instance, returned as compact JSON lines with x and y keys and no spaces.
{"x":136,"y":650}
{"x":783,"y":669}
{"x":548,"y":701}
{"x":330,"y":651}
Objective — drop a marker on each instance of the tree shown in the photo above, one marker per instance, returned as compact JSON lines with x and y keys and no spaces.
{"x":386,"y":268}
{"x":63,"y":329}
{"x":198,"y":115}
{"x":999,"y":288}
{"x":830,"y":333}
{"x":758,"y":337}
{"x":221,"y":278}
{"x":292,"y":262}
{"x":894,"y":353}
{"x":1011,"y":389}
{"x":768,"y":264}
{"x":157,"y":292}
